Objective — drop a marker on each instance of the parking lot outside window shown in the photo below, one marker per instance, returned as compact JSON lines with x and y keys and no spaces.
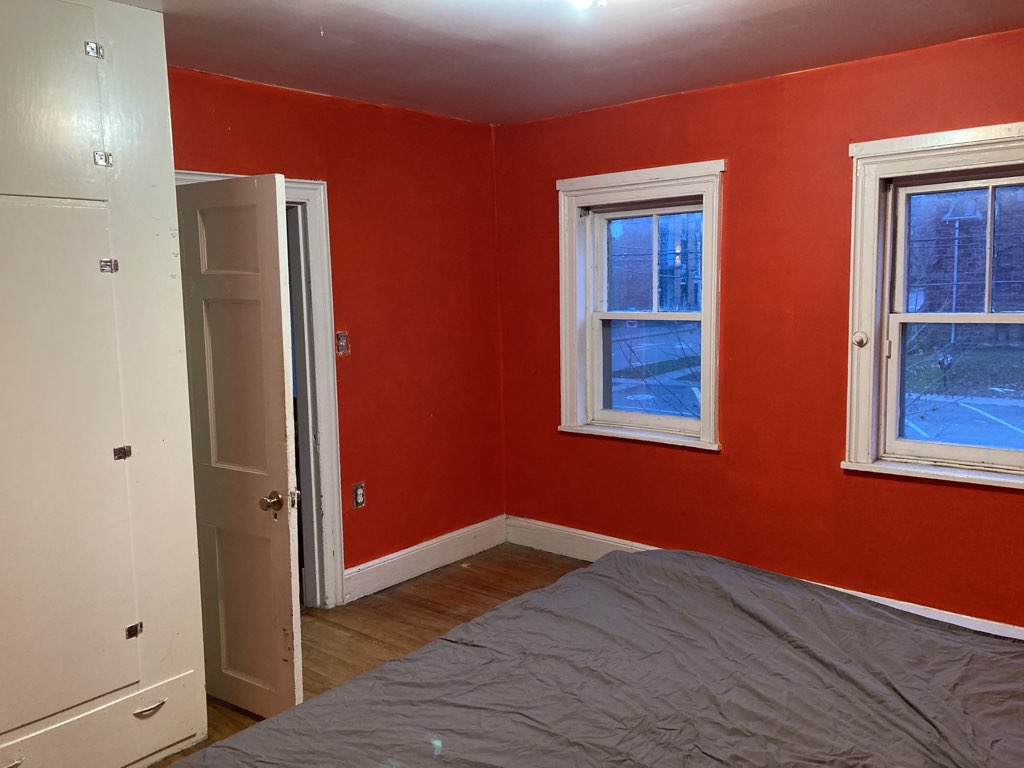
{"x":937,"y":307}
{"x":639,"y":303}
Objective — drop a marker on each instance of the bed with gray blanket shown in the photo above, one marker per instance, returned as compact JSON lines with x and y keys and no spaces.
{"x":668,"y":659}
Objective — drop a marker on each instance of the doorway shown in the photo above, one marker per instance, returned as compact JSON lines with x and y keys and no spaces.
{"x":315,"y":390}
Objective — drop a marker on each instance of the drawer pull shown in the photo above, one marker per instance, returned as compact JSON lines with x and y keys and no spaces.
{"x":147,"y":711}
{"x":16,"y":763}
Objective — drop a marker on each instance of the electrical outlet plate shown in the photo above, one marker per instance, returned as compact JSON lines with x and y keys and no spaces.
{"x":359,"y":495}
{"x":341,"y":343}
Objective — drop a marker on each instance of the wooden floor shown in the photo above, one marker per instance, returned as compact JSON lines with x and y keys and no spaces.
{"x":341,"y":643}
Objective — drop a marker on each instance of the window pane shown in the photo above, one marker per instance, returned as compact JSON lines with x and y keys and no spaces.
{"x":963,"y":384}
{"x":679,"y":262}
{"x":1008,"y":256}
{"x":945,"y":269}
{"x":630,"y":264}
{"x":652,"y":366}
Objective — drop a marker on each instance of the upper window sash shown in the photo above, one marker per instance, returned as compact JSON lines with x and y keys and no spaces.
{"x":599,"y":222}
{"x":902,"y":215}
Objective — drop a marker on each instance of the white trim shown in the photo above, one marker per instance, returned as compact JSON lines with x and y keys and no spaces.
{"x":562,"y":540}
{"x":313,"y":194}
{"x":580,"y":281}
{"x":670,"y":174}
{"x":584,"y":545}
{"x":939,"y":140}
{"x":401,"y":566}
{"x":876,"y":165}
{"x":935,"y":472}
{"x":647,"y":436}
{"x":959,"y":619}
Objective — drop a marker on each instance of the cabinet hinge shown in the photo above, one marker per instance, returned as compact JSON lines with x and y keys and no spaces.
{"x":103,"y":159}
{"x":133,"y":630}
{"x":123,"y":452}
{"x":109,"y":266}
{"x":93,"y":49}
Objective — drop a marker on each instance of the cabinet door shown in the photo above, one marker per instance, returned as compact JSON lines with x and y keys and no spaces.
{"x":51,"y":121}
{"x":66,"y":567}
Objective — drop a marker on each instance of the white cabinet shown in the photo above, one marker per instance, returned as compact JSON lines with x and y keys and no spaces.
{"x":93,"y":359}
{"x":51,"y":122}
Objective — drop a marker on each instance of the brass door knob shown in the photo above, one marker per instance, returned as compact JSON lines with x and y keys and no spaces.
{"x":272,"y":501}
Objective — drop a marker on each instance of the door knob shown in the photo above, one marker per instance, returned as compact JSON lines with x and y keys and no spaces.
{"x":272,"y":501}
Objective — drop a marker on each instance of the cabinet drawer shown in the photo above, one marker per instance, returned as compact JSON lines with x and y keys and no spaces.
{"x":120,"y":733}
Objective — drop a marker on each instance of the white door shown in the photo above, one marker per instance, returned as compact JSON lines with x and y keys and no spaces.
{"x":237,"y":325}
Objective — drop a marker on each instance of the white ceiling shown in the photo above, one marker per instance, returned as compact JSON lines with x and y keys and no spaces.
{"x":500,"y":61}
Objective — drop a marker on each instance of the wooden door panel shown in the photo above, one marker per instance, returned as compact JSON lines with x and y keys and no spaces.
{"x":238,"y":435}
{"x":228,"y":240}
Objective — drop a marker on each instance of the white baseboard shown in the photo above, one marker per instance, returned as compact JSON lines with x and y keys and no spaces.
{"x":562,"y":540}
{"x":961,"y":620}
{"x":585,"y":545}
{"x":400,"y":566}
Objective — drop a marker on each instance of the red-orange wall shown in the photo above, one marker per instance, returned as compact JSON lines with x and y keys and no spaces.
{"x":775,"y":496}
{"x":411,"y":206}
{"x":424,"y":275}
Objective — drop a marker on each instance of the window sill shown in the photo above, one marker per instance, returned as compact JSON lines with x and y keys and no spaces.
{"x":643,"y":435}
{"x":935,"y":472}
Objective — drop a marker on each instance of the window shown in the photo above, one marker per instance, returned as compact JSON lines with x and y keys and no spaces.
{"x":639,"y":284}
{"x":937,"y":307}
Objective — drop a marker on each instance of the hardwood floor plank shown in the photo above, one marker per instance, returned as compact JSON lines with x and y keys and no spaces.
{"x":342,"y":643}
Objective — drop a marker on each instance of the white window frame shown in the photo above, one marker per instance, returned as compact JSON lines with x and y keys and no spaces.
{"x":882,"y":170}
{"x":584,"y":204}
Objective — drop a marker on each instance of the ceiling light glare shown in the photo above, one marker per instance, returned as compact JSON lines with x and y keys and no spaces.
{"x":581,"y":5}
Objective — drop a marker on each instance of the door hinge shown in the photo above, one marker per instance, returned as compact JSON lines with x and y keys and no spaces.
{"x":133,"y":630}
{"x":123,"y":452}
{"x":109,"y":266}
{"x":103,"y":159}
{"x":93,"y":49}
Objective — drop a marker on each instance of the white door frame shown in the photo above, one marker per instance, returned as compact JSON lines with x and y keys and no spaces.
{"x":328,"y":561}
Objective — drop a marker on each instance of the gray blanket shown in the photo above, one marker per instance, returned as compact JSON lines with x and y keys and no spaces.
{"x":668,"y":659}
